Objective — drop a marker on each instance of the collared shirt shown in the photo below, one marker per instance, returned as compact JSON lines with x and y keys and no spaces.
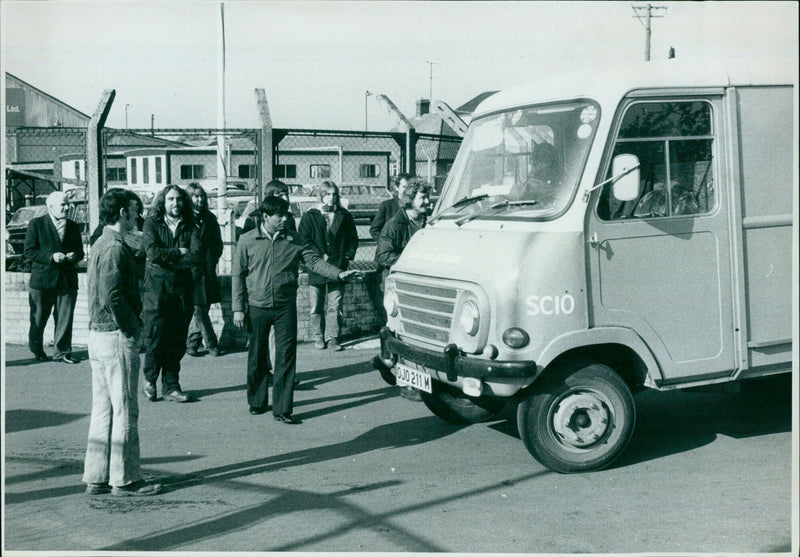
{"x":265,"y":269}
{"x":114,"y":301}
{"x":60,"y":224}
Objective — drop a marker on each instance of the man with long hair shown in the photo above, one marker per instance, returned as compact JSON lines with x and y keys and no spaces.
{"x":412,"y":217}
{"x":172,"y":244}
{"x":112,"y":461}
{"x":207,"y":289}
{"x":332,"y":230}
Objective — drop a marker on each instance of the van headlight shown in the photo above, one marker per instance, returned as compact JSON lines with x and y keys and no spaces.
{"x":469,"y":318}
{"x":390,"y":301}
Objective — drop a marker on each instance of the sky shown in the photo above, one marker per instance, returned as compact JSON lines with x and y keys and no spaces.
{"x":317,"y":60}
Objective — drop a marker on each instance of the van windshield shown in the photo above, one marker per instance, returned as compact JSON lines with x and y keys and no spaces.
{"x":530,"y":157}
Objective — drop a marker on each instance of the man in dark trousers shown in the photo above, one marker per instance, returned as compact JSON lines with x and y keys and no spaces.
{"x":264,"y":277}
{"x":331,"y":229}
{"x":112,"y":461}
{"x":54,"y":246}
{"x":172,"y":244}
{"x":207,"y":289}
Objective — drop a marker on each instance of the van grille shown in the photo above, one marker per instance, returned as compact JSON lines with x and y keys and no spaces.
{"x":426,"y":312}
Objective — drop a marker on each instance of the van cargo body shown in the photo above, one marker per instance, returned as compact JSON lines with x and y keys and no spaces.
{"x":598,"y":234}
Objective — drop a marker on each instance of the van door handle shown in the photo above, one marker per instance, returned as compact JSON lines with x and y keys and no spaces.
{"x":593,"y":241}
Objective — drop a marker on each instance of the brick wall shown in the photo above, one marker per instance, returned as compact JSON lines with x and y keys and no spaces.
{"x":362,"y":311}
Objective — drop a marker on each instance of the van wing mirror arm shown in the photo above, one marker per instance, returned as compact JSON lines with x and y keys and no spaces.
{"x":588,"y":191}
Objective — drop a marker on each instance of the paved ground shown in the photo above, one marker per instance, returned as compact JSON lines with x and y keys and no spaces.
{"x":370,"y":471}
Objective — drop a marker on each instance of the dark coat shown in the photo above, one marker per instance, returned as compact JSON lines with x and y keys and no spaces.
{"x":207,"y":289}
{"x":41,"y":242}
{"x":385,"y":212}
{"x":393,"y":240}
{"x":169,"y":274}
{"x":338,"y":244}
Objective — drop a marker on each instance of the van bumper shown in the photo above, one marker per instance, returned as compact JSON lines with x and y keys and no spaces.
{"x":449,"y":361}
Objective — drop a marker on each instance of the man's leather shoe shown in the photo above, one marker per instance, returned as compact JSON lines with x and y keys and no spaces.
{"x":42,"y":357}
{"x":257,"y":410}
{"x":137,"y":489}
{"x":67,"y":359}
{"x":286,"y":419}
{"x":214,"y":352}
{"x":193,"y":352}
{"x":176,"y":396}
{"x":97,"y":489}
{"x":150,"y":391}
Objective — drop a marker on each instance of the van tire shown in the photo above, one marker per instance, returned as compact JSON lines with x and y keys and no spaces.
{"x":454,"y":407}
{"x":595,"y":397}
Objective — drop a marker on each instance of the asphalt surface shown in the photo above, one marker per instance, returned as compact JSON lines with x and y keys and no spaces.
{"x":369,"y":471}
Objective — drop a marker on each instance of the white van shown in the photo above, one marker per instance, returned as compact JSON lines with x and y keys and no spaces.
{"x":599,"y":234}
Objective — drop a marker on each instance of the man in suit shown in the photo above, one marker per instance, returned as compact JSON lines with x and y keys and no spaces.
{"x":388,"y":208}
{"x":331,"y":229}
{"x":53,"y":245}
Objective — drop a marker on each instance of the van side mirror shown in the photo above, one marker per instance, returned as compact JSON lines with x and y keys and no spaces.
{"x":625,"y":168}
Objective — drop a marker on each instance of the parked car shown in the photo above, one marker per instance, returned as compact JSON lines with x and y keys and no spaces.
{"x":15,"y":233}
{"x":363,"y":200}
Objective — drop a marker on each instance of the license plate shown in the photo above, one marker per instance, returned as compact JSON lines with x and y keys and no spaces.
{"x":413,"y":378}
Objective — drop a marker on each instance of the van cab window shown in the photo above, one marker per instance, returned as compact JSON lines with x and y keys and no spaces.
{"x":521,"y":163}
{"x":674,"y":143}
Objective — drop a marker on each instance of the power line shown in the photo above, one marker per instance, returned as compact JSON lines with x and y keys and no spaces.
{"x":650,"y":12}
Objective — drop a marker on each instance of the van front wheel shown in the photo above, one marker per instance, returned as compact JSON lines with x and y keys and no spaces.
{"x":579,"y":419}
{"x":453,"y":406}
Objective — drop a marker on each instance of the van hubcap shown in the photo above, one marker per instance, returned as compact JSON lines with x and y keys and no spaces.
{"x":582,"y":419}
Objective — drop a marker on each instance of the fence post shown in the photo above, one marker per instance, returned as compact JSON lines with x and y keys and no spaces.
{"x":265,"y":156}
{"x":94,"y":156}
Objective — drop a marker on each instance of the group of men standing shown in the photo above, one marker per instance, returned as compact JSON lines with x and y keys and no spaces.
{"x":180,"y":244}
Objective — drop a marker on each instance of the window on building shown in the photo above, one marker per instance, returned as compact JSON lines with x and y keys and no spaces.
{"x":146,"y":170}
{"x":115,"y":174}
{"x":133,"y":171}
{"x":319,"y":171}
{"x":368,"y":171}
{"x":286,"y":171}
{"x":193,"y":171}
{"x":674,"y":144}
{"x":248,"y":170}
{"x":158,"y":170}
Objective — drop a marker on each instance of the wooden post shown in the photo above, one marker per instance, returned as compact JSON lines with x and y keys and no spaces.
{"x":265,"y":156}
{"x":94,"y":157}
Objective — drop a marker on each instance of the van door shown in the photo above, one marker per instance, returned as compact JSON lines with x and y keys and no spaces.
{"x":661,"y":264}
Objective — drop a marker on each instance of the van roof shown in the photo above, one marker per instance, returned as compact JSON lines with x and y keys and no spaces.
{"x":608,"y":85}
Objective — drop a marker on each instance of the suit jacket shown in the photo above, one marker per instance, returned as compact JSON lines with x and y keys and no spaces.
{"x":41,"y":242}
{"x":339,"y":243}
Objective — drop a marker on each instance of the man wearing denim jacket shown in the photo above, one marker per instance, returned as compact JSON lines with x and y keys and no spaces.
{"x":112,"y":455}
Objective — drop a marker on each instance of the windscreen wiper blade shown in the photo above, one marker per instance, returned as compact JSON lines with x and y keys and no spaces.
{"x":500,"y":205}
{"x":460,"y":203}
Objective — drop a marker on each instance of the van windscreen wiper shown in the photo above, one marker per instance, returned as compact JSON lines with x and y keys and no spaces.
{"x":460,"y":203}
{"x":500,"y":205}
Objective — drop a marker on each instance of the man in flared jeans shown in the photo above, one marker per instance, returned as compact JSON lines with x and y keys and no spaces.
{"x":112,"y":454}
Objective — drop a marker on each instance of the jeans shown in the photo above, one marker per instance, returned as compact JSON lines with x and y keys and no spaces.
{"x":201,"y":330}
{"x":112,"y":453}
{"x":167,"y":326}
{"x":284,"y":321}
{"x":333,"y":313}
{"x":42,"y":302}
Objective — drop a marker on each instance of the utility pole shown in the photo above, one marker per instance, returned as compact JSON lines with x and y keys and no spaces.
{"x":366,"y":96}
{"x":126,"y":116}
{"x":152,"y":124}
{"x":430,"y":79}
{"x":649,"y":11}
